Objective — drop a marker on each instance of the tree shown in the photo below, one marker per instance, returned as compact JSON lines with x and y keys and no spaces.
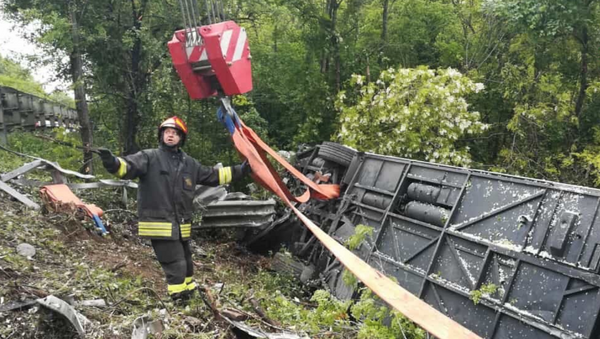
{"x":79,"y":88}
{"x":415,"y":113}
{"x":544,"y":74}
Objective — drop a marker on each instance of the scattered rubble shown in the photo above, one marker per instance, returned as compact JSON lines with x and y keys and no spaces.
{"x":144,"y":326}
{"x":79,"y":321}
{"x":26,"y":250}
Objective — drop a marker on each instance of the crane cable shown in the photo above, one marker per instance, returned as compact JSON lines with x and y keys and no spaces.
{"x":190,"y":13}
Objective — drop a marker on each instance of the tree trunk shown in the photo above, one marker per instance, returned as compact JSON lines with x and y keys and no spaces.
{"x":332,"y":8}
{"x":583,"y":73}
{"x":336,"y":55}
{"x":135,"y":81}
{"x":368,"y":71}
{"x":79,"y":92}
{"x":384,"y":24}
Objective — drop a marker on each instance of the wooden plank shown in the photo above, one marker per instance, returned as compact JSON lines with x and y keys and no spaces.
{"x":18,"y":196}
{"x":21,"y":170}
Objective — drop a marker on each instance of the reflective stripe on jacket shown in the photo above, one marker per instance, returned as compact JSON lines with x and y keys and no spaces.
{"x":167,"y":182}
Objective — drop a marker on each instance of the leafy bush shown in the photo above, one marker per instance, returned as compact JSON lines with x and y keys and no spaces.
{"x":417,"y":113}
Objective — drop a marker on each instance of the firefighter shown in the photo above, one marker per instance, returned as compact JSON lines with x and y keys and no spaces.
{"x":167,"y":181}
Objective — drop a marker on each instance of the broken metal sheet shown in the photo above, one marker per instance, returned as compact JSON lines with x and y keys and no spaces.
{"x":99,"y":184}
{"x":65,"y":171}
{"x":287,"y":264}
{"x":104,"y":183}
{"x":19,"y":196}
{"x":238,"y":213}
{"x":236,"y":196}
{"x":206,"y":194}
{"x":79,"y":321}
{"x":144,"y":326}
{"x":335,"y":281}
{"x":119,"y":183}
{"x":258,"y":333}
{"x":240,"y":208}
{"x":237,"y":221}
{"x":17,"y":306}
{"x":269,"y":228}
{"x":39,"y":162}
{"x":345,"y":231}
{"x":21,"y":170}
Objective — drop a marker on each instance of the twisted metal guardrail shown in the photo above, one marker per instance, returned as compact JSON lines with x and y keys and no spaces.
{"x":28,"y":112}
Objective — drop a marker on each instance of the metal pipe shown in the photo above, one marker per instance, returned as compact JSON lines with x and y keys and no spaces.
{"x":427,"y":213}
{"x":423,"y":193}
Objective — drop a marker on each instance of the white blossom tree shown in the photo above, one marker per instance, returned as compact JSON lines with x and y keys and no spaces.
{"x":416,"y":113}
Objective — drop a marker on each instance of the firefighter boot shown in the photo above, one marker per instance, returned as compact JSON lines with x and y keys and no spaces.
{"x":191,"y":286}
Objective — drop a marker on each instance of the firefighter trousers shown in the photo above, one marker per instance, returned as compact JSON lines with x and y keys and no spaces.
{"x":175,"y":257}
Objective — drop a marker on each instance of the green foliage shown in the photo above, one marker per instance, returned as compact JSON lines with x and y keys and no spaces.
{"x":328,"y":313}
{"x":14,"y":76}
{"x":484,"y":290}
{"x":415,"y":113}
{"x":373,"y":314}
{"x":67,"y":157}
{"x":349,"y":279}
{"x":361,"y":232}
{"x":22,"y":85}
{"x":332,"y":314}
{"x":590,"y":157}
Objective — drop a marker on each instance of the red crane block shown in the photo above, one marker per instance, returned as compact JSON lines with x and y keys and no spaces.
{"x":212,"y":58}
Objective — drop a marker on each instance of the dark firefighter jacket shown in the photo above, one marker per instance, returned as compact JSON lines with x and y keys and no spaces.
{"x":166,"y":189}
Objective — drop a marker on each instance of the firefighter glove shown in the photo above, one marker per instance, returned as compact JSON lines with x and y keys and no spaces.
{"x":245,"y":168}
{"x":110,"y":162}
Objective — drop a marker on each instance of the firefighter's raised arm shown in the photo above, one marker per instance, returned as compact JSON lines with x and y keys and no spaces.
{"x":213,"y":177}
{"x":129,"y":167}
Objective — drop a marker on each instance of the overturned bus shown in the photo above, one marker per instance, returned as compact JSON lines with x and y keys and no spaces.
{"x":529,"y":248}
